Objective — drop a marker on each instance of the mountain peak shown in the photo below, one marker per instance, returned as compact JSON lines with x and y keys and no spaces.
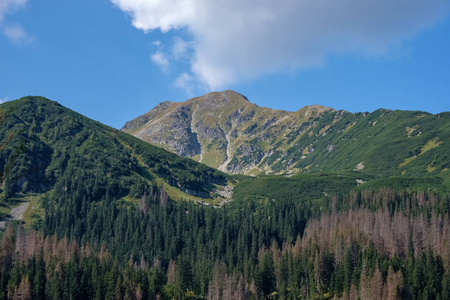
{"x":226,"y":131}
{"x":226,"y":94}
{"x":219,"y":99}
{"x":212,"y":127}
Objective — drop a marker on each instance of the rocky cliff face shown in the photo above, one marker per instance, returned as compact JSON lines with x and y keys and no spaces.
{"x":226,"y":131}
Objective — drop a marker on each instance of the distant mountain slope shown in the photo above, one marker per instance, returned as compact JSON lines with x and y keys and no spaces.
{"x":225,"y":131}
{"x":45,"y":146}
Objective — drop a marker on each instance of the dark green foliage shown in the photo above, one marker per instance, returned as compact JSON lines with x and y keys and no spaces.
{"x":265,"y":277}
{"x":309,"y":186}
{"x":268,"y":243}
{"x":46,"y":146}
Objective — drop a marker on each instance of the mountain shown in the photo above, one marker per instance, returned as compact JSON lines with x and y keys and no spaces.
{"x":226,"y":131}
{"x":98,"y":223}
{"x":47,"y":147}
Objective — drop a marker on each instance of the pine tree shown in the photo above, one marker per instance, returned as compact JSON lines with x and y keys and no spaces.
{"x":266,"y":280}
{"x":23,"y":292}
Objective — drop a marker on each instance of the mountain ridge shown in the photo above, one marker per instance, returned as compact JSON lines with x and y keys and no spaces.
{"x":226,"y":131}
{"x":45,"y":146}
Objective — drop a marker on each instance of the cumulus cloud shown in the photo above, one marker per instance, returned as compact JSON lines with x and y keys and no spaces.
{"x":17,"y":35}
{"x":241,"y":39}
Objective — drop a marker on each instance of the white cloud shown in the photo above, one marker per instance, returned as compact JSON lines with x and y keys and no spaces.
{"x":180,"y":48}
{"x":157,"y":43}
{"x":186,"y":82}
{"x":3,"y":100}
{"x":17,"y":35}
{"x":8,"y":6}
{"x":160,"y":59}
{"x":241,"y":39}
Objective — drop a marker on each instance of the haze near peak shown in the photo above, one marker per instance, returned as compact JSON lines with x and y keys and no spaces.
{"x":234,"y":40}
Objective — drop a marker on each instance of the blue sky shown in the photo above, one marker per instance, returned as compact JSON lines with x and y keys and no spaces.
{"x":114,"y":60}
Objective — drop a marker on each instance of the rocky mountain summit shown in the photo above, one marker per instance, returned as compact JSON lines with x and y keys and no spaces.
{"x":226,"y":131}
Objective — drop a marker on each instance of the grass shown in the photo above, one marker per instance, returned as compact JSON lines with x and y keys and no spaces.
{"x":349,"y":126}
{"x":410,"y":130}
{"x":430,"y":168}
{"x":407,"y":161}
{"x":428,"y":146}
{"x":446,"y":182}
{"x":129,"y":200}
{"x":178,"y":195}
{"x":196,"y":157}
{"x":213,"y":157}
{"x":34,"y":213}
{"x":4,"y":210}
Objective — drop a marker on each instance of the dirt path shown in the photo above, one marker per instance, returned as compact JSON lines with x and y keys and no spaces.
{"x":16,"y":213}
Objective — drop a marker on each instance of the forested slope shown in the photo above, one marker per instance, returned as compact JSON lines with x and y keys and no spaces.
{"x":372,"y":245}
{"x":45,"y":146}
{"x":110,"y":230}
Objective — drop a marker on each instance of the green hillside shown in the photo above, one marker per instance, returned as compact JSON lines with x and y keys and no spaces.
{"x":383,"y":142}
{"x":46,"y":147}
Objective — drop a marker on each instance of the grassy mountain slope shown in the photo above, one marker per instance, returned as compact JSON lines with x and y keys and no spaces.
{"x":47,"y":147}
{"x":224,"y":130}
